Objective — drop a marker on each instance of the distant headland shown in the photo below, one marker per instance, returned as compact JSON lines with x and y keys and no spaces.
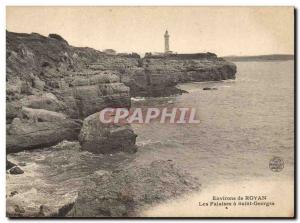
{"x":271,"y":57}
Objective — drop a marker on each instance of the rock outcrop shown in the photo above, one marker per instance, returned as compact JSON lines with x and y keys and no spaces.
{"x":160,"y":74}
{"x":24,"y":134}
{"x":47,"y":73}
{"x":124,"y":192}
{"x":47,"y":101}
{"x":9,"y":164}
{"x":98,"y":137}
{"x":16,"y":170}
{"x":209,"y":88}
{"x":48,"y":63}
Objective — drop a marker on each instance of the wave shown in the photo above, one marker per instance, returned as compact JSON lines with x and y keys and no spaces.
{"x":147,"y":142}
{"x":157,"y":143}
{"x":138,"y":99}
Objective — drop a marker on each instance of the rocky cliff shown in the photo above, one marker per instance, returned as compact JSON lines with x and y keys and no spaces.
{"x":161,"y":73}
{"x":54,"y":92}
{"x":157,"y":76}
{"x":52,"y":85}
{"x":37,"y":65}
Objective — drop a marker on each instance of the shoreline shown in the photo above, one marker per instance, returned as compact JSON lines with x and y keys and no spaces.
{"x":280,"y":192}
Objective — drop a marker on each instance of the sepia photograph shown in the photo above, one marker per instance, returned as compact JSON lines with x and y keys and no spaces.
{"x":150,"y":112}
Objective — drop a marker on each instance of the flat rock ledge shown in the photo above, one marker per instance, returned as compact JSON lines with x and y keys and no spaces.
{"x":125,"y":192}
{"x":24,"y":134}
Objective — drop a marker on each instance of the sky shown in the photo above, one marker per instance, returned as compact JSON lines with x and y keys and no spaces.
{"x":221,"y":30}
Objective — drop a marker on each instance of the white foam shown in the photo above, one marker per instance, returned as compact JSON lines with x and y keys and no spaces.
{"x":138,"y":99}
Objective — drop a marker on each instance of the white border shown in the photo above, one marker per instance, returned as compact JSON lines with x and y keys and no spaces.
{"x":155,"y":2}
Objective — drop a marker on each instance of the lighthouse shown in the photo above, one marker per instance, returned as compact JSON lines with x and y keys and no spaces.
{"x":167,"y":49}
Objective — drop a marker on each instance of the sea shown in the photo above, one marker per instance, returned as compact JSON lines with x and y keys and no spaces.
{"x":244,"y":124}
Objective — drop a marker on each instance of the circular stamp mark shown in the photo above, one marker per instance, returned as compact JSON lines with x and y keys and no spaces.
{"x":276,"y":164}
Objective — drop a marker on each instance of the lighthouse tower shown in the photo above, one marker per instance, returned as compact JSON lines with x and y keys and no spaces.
{"x":167,"y":49}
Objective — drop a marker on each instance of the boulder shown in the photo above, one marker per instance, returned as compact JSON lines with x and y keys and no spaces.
{"x":16,"y":170}
{"x":98,"y":137}
{"x":14,"y":87}
{"x":26,"y":134}
{"x":124,"y":192}
{"x":210,"y":88}
{"x":93,"y":98}
{"x":9,"y":164}
{"x":38,"y":84}
{"x":47,"y":101}
{"x":58,"y":37}
{"x":42,"y":115}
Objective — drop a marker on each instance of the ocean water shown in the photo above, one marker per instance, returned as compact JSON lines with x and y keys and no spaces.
{"x":243,"y":125}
